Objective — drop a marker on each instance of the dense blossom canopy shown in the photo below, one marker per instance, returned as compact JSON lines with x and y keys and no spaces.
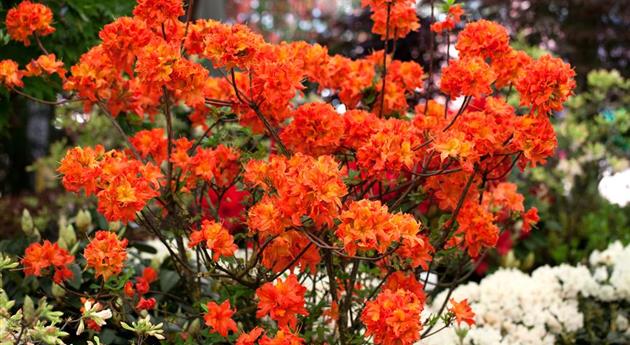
{"x":378,"y":186}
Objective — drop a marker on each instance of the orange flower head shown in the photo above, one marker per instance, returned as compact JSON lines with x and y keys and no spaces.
{"x":157,"y":12}
{"x":484,"y":39}
{"x":151,"y":143}
{"x":407,"y":281}
{"x":219,"y":318}
{"x":46,"y":64}
{"x":217,"y":238}
{"x":250,"y":338}
{"x":10,"y":74}
{"x":106,"y":254}
{"x":282,"y":301}
{"x":280,"y":254}
{"x":402,"y":17}
{"x":393,"y":318}
{"x":316,"y":130}
{"x":546,"y":84}
{"x":467,"y":77}
{"x":40,"y":256}
{"x":29,"y":19}
{"x":462,"y":312}
{"x":283,"y":337}
{"x":81,"y":167}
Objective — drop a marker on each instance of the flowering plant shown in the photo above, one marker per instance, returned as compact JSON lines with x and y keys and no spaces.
{"x":323,"y":226}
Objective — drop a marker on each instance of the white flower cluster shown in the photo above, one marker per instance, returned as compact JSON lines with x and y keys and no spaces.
{"x":514,"y":308}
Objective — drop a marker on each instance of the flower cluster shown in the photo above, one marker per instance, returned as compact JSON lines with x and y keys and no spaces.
{"x":282,"y":301}
{"x":40,"y":256}
{"x":216,"y":237}
{"x":28,"y":19}
{"x":392,"y":318}
{"x":106,"y":254}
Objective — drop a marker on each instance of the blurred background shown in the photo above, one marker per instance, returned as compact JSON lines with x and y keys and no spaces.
{"x":582,"y":194}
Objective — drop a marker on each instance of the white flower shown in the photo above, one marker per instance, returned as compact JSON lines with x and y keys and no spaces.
{"x":93,"y":311}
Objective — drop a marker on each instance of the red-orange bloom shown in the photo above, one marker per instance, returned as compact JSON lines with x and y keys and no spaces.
{"x":219,"y":166}
{"x":316,"y":130}
{"x":47,"y":64}
{"x":106,"y":254}
{"x":462,"y":312}
{"x":280,"y":254}
{"x":146,"y":303}
{"x":38,"y":257}
{"x":81,"y":167}
{"x":393,"y":318}
{"x":546,"y":84}
{"x":283,"y":337}
{"x":453,"y":17}
{"x":216,"y":237}
{"x":282,"y":301}
{"x":156,"y":12}
{"x":483,"y":39}
{"x":250,"y":338}
{"x":29,"y":19}
{"x":467,"y":77}
{"x":219,"y":318}
{"x":10,"y":74}
{"x":402,"y":17}
{"x":407,"y":281}
{"x":151,"y":143}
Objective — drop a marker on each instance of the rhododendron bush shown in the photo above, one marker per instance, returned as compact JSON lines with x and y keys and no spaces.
{"x":319,"y":229}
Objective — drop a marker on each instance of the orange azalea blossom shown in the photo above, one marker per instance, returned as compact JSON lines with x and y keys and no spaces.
{"x":280,"y":254}
{"x":402,"y":17}
{"x":393,"y":317}
{"x":453,"y":17}
{"x":536,"y":138}
{"x":145,"y":303}
{"x":389,"y":150}
{"x":10,"y":74}
{"x":216,"y":237}
{"x":40,"y":256}
{"x":219,"y":318}
{"x":348,"y":77}
{"x":81,"y":167}
{"x":151,"y":143}
{"x":484,"y":39}
{"x":219,"y":166}
{"x":250,"y":338}
{"x":156,"y":12}
{"x":546,"y":84}
{"x":359,"y":125}
{"x":462,"y":312}
{"x":467,"y":77}
{"x":510,"y":67}
{"x":367,"y":225}
{"x":282,"y":301}
{"x":407,"y":281}
{"x":316,"y":130}
{"x":47,"y":64}
{"x":29,"y":19}
{"x":106,"y":254}
{"x":302,"y":185}
{"x":283,"y":337}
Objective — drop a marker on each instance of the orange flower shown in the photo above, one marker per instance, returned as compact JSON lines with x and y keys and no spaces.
{"x":106,"y":254}
{"x":217,"y":238}
{"x":546,"y":84}
{"x":389,"y":150}
{"x":453,"y":17}
{"x":81,"y":167}
{"x":283,"y":337}
{"x":45,"y":64}
{"x":151,"y":142}
{"x":145,"y":303}
{"x":220,"y":165}
{"x":406,"y":281}
{"x":156,"y":12}
{"x":393,"y":318}
{"x":469,"y":76}
{"x":462,"y":312}
{"x":530,"y":218}
{"x":38,"y":257}
{"x":29,"y":19}
{"x":302,"y":185}
{"x":250,"y":338}
{"x":282,"y":301}
{"x":219,"y":318}
{"x":402,"y":17}
{"x":510,"y":67}
{"x":484,"y":39}
{"x":280,"y":254}
{"x":316,"y":130}
{"x":10,"y":74}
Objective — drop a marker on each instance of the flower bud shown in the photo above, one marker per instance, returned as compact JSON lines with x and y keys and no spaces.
{"x":115,"y":226}
{"x":27,"y":222}
{"x":67,"y":236}
{"x":194,"y":327}
{"x":57,"y":291}
{"x":83,"y":220}
{"x":28,"y":310}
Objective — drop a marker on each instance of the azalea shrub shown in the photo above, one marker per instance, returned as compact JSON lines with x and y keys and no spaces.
{"x":298,"y":197}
